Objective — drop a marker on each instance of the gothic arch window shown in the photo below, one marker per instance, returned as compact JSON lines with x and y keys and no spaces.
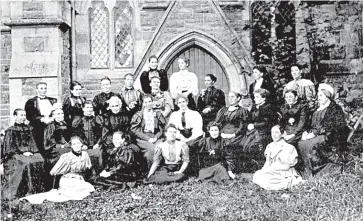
{"x":98,"y":20}
{"x":124,"y":42}
{"x":111,"y":35}
{"x":261,"y":32}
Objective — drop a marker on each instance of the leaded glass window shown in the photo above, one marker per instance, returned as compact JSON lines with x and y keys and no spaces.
{"x":99,"y":20}
{"x":124,"y":42}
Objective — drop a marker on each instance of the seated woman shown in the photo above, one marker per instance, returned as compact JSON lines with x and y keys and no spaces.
{"x":114,"y":120}
{"x":72,"y":185}
{"x":87,"y":127}
{"x":278,"y":172}
{"x":184,"y":82}
{"x":22,"y":163}
{"x":162,"y":101}
{"x":214,"y":159}
{"x":210,"y":100}
{"x":147,"y":126}
{"x":294,"y":117}
{"x":72,"y":105}
{"x":175,"y":157}
{"x":188,"y":122}
{"x":153,"y":71}
{"x":263,"y":117}
{"x":122,"y":168}
{"x":56,"y":136}
{"x":324,"y":142}
{"x":233,"y":119}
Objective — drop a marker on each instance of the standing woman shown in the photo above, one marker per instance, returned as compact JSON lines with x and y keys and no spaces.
{"x":152,"y":72}
{"x":210,"y":100}
{"x":100,"y":100}
{"x":262,"y":80}
{"x":131,"y":96}
{"x":184,"y":82}
{"x":72,"y":105}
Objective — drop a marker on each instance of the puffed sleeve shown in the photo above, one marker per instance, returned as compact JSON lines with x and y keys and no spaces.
{"x":157,"y":155}
{"x":136,"y":127}
{"x":288,"y":157}
{"x":145,"y":82}
{"x":6,"y":146}
{"x":197,"y":130}
{"x":174,"y":91}
{"x":169,"y":105}
{"x":161,"y":121}
{"x":164,"y":82}
{"x":62,"y":166}
{"x":185,"y":153}
{"x":49,"y":139}
{"x":218,"y":101}
{"x":67,"y":108}
{"x":194,"y":86}
{"x":220,"y":115}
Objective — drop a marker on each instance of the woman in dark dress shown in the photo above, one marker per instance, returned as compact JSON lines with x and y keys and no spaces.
{"x":263,"y":117}
{"x":262,"y":80}
{"x":215,"y":161}
{"x":233,"y":119}
{"x":72,"y":105}
{"x":114,"y":120}
{"x":153,"y":71}
{"x":100,"y":100}
{"x":294,"y":117}
{"x":210,"y":100}
{"x":56,"y":136}
{"x":322,"y":145}
{"x":122,"y":168}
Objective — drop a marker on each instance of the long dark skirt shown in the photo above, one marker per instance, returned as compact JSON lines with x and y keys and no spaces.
{"x":216,"y":173}
{"x":147,"y":149}
{"x":315,"y":159}
{"x":253,"y":146}
{"x":23,"y":175}
{"x":165,"y":175}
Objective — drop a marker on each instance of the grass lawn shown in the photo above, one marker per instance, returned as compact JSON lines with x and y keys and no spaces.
{"x":337,"y":198}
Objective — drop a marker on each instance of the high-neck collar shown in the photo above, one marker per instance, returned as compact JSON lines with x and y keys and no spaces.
{"x":77,"y":154}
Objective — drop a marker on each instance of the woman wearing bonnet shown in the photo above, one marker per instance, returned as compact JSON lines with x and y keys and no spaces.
{"x":322,"y":144}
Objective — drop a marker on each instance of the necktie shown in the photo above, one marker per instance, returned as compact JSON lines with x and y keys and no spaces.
{"x":183,"y":119}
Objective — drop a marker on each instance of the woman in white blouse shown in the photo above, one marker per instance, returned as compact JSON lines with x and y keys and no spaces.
{"x":184,"y":82}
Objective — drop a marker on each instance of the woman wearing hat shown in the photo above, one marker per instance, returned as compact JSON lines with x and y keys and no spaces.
{"x":322,"y":144}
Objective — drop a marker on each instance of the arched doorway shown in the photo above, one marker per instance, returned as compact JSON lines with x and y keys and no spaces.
{"x":202,"y":62}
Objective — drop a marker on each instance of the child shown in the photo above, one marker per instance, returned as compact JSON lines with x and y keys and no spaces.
{"x":72,"y":185}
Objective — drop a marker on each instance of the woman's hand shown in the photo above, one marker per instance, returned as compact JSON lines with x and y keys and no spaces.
{"x":231,"y":174}
{"x":27,"y":154}
{"x":96,"y":146}
{"x":152,"y":140}
{"x":250,"y":127}
{"x":104,"y":173}
{"x":177,"y":172}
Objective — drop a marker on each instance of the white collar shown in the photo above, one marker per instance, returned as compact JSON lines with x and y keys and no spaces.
{"x":324,"y":106}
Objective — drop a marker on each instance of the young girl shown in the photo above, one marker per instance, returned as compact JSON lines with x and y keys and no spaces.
{"x":72,"y":185}
{"x":278,"y":171}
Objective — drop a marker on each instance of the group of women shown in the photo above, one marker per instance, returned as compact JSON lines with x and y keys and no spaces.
{"x":157,"y":136}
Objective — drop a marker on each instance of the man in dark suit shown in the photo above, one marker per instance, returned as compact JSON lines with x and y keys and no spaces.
{"x":38,"y":111}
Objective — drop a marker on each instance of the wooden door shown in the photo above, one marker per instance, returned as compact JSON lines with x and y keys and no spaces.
{"x":201,"y":63}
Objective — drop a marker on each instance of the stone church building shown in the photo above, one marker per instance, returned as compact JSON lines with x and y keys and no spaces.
{"x":58,"y":41}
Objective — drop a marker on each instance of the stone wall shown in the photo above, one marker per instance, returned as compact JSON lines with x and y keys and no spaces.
{"x":4,"y":83}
